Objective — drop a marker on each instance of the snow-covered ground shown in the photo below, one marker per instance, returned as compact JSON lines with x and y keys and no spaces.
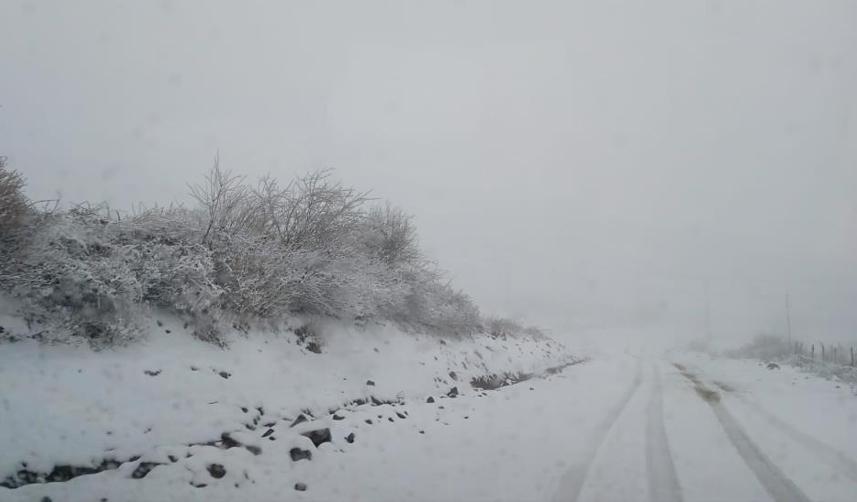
{"x":620,"y":426}
{"x":170,"y":400}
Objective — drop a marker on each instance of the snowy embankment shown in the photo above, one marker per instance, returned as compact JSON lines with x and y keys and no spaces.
{"x":178,"y":411}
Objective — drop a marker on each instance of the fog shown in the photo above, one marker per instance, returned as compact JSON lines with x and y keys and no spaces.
{"x":579,"y":165}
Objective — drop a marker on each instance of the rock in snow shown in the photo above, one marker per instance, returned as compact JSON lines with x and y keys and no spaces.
{"x":217,"y":471}
{"x":300,"y":454}
{"x":318,"y":436}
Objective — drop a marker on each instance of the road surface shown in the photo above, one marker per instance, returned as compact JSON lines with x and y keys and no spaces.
{"x":671,"y":412}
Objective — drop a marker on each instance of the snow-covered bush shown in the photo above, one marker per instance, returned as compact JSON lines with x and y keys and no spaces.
{"x":74,"y":280}
{"x":175,"y":271}
{"x":434,"y":305}
{"x":389,"y":234}
{"x":14,"y":206}
{"x":499,"y":327}
{"x":243,"y":253}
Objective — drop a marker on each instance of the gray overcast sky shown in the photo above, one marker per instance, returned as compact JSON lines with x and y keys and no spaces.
{"x":574,"y":163}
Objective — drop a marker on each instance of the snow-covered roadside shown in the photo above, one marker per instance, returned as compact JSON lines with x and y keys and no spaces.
{"x":171,"y":396}
{"x":512,"y":444}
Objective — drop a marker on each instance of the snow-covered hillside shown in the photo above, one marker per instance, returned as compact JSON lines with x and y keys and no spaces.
{"x":203,"y":417}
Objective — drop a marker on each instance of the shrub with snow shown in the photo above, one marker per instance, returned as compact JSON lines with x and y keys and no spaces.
{"x":13,"y":204}
{"x":244,"y":253}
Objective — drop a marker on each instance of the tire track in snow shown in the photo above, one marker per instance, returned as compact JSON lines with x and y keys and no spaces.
{"x":663,"y":481}
{"x":572,"y":482}
{"x":824,"y":452}
{"x":775,"y":482}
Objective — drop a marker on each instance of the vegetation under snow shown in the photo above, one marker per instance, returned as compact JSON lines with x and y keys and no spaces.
{"x":242,"y":253}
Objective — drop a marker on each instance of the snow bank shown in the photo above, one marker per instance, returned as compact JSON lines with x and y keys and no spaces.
{"x":173,"y":395}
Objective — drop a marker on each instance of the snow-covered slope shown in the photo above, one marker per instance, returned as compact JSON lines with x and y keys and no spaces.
{"x":188,"y":405}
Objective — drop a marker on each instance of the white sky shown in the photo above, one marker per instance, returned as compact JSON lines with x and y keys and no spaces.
{"x":574,"y":163}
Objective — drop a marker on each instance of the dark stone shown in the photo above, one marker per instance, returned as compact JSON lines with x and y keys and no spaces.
{"x":378,"y":402}
{"x":368,"y":421}
{"x":217,"y":471}
{"x":350,"y":438}
{"x":224,"y":374}
{"x":773,"y":366}
{"x":152,"y":372}
{"x":301,"y":419}
{"x":422,"y":432}
{"x":255,"y":450}
{"x":400,"y":415}
{"x":269,"y":424}
{"x":453,"y":376}
{"x":173,"y":458}
{"x":314,"y":347}
{"x":430,"y":399}
{"x":390,"y":419}
{"x":227,"y":441}
{"x":268,"y":433}
{"x":453,"y":392}
{"x":301,"y":487}
{"x":143,"y":469}
{"x":338,"y":417}
{"x":300,"y":454}
{"x":318,"y":436}
{"x":370,"y":382}
{"x":244,"y":409}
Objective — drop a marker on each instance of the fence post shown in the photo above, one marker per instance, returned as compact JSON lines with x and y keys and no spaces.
{"x":822,"y":352}
{"x":812,"y":356}
{"x":852,"y":356}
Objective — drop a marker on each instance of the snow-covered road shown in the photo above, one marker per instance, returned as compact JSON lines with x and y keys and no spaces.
{"x":678,"y":434}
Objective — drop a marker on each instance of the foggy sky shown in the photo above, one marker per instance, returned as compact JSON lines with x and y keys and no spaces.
{"x":575,"y":164}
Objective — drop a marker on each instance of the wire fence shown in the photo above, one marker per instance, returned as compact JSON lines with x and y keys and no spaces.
{"x":835,"y":354}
